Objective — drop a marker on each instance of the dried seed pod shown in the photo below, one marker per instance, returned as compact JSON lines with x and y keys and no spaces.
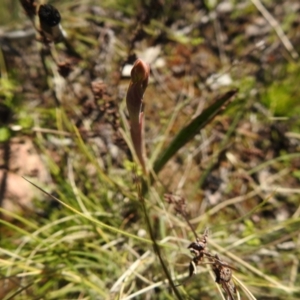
{"x":178,"y":202}
{"x":198,"y":250}
{"x":223,"y":273}
{"x":64,"y":68}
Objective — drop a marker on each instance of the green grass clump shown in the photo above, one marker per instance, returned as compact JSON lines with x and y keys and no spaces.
{"x":215,"y":201}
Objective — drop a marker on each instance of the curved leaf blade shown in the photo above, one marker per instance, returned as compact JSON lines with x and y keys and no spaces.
{"x":193,"y":128}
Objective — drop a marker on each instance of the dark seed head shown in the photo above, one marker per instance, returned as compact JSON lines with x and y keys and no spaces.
{"x":49,"y":15}
{"x":197,"y":246}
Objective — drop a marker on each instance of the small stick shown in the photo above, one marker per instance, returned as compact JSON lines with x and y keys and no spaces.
{"x":282,"y":36}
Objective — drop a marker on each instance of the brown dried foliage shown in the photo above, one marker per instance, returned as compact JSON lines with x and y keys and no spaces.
{"x":221,"y":270}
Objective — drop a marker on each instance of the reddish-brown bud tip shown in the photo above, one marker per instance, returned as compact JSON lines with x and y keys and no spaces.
{"x":140,"y":72}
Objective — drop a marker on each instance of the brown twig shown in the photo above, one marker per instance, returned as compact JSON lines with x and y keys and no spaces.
{"x":272,"y":21}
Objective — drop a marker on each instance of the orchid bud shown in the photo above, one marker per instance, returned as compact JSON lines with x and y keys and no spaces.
{"x":140,"y":73}
{"x":139,"y":81}
{"x":134,"y":100}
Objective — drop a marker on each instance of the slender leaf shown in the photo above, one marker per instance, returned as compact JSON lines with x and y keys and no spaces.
{"x":193,"y":128}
